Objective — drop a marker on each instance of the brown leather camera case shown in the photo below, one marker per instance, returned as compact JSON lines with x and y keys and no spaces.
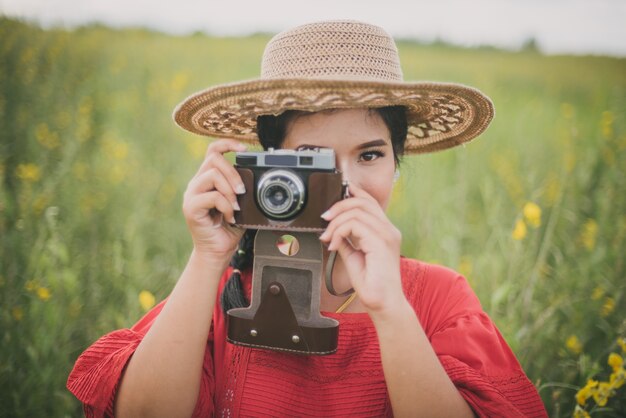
{"x":323,"y":190}
{"x":284,"y":312}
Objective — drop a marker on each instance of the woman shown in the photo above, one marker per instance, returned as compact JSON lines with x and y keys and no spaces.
{"x":414,"y":340}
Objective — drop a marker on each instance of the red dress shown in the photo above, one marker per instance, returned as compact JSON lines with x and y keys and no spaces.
{"x":240,"y":381}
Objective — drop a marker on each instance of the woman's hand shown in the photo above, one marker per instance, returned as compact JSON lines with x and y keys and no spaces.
{"x":369,"y":246}
{"x":210,"y":202}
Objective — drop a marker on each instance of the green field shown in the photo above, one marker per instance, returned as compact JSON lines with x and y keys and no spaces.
{"x":93,"y":170}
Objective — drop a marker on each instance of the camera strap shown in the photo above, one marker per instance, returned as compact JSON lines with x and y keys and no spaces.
{"x":328,"y":276}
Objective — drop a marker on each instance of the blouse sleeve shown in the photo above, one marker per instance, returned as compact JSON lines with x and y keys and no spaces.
{"x":97,"y":373}
{"x":471,"y":349}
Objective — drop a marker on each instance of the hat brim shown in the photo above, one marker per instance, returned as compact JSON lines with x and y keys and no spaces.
{"x":440,"y":115}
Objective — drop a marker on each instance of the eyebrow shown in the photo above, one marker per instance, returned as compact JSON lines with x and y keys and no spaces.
{"x":369,"y":144}
{"x":374,"y":143}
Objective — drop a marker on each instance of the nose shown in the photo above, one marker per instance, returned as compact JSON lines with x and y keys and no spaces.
{"x":347,"y":171}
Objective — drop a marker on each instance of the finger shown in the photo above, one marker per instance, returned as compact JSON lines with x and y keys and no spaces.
{"x":220,"y":147}
{"x":369,"y":205}
{"x":352,"y":231}
{"x":213,"y":180}
{"x":208,"y":205}
{"x":378,"y":225}
{"x":217,"y":161}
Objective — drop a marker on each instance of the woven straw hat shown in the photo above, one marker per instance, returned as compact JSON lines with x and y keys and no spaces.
{"x":338,"y":64}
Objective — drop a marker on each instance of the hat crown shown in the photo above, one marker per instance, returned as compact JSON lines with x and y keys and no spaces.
{"x":342,"y":50}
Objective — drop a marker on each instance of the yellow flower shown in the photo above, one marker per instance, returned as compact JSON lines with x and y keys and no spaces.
{"x":567,"y":110}
{"x":30,"y":286}
{"x":581,"y":413}
{"x":573,"y":344}
{"x":622,"y":343}
{"x":180,"y":81}
{"x":28,"y":172}
{"x":146,"y":300}
{"x":43,"y":293}
{"x":532,"y":214}
{"x":197,"y":148}
{"x":602,"y":394}
{"x":586,"y":392}
{"x":589,"y":233}
{"x":115,"y":149}
{"x":18,"y":313}
{"x":607,"y":124}
{"x":520,"y":230}
{"x":618,"y":378}
{"x":47,"y":139}
{"x":608,"y":307}
{"x":615,"y":361}
{"x":597,"y":293}
{"x":465,"y":266}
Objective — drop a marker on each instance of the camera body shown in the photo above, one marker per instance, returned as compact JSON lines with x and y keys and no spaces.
{"x":287,"y":189}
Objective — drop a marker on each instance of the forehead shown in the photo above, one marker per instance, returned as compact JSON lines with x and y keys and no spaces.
{"x":336,"y":128}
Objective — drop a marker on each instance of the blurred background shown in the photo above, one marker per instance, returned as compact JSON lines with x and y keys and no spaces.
{"x":93,"y":169}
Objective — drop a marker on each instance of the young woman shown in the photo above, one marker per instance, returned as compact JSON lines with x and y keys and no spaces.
{"x":413,"y":341}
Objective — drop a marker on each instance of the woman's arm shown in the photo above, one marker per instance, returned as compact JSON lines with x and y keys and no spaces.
{"x":162,"y":378}
{"x":417,"y":382}
{"x":369,"y":247}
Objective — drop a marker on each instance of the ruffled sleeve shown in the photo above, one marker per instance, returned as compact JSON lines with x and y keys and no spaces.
{"x":471,"y":349}
{"x":97,"y":373}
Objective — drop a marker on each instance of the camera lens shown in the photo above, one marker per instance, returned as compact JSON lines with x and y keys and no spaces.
{"x":280,"y":193}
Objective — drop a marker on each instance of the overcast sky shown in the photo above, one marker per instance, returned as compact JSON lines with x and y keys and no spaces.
{"x":560,"y":26}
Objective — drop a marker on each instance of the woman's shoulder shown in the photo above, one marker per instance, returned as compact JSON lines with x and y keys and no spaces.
{"x":432,"y":277}
{"x":437,"y":293}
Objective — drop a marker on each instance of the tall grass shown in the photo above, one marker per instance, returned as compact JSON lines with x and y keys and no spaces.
{"x":93,"y":169}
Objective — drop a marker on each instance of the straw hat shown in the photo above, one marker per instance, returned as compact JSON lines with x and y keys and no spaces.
{"x":337,"y":64}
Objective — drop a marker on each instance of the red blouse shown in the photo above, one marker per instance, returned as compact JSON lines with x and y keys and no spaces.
{"x":240,"y":381}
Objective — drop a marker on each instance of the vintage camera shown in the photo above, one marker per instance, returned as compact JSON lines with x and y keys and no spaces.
{"x":287,"y":189}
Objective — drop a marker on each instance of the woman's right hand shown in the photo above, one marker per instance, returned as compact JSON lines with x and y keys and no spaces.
{"x":210,"y":202}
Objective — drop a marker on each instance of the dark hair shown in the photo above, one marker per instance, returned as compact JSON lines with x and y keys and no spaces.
{"x":272,"y":131}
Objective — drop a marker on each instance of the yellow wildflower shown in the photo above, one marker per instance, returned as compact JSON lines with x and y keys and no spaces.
{"x":608,"y":307}
{"x":581,"y":413}
{"x":597,"y":293}
{"x":567,"y":110}
{"x":115,"y":149}
{"x":180,"y":81}
{"x":43,"y":293}
{"x":615,"y":361}
{"x":30,"y":286}
{"x":28,"y":172}
{"x":18,"y":313}
{"x":146,"y":300}
{"x":607,"y":124}
{"x":532,"y":214}
{"x":618,"y":378}
{"x":197,"y":148}
{"x":622,"y":343}
{"x":465,"y":266}
{"x":586,"y":392}
{"x":46,"y":138}
{"x":520,"y":230}
{"x":573,"y":344}
{"x":602,"y":393}
{"x":589,"y":233}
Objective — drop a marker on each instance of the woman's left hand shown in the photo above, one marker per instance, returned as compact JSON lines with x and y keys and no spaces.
{"x":369,"y":246}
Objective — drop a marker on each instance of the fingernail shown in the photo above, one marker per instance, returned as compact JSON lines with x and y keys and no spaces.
{"x":236,"y":205}
{"x":323,"y":236}
{"x":325,"y":215}
{"x":232,"y":220}
{"x":240,"y":189}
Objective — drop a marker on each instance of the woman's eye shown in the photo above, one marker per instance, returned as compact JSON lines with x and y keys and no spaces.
{"x":369,"y":156}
